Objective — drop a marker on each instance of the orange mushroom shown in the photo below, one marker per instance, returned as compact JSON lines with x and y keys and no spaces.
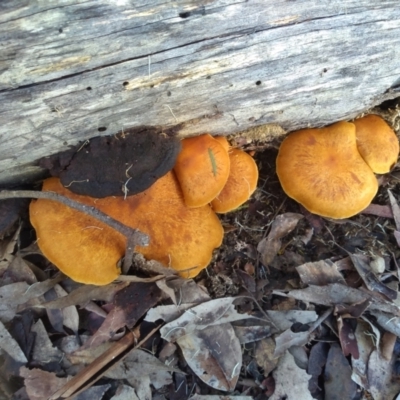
{"x":241,"y":184}
{"x":224,"y":141}
{"x":323,"y":170}
{"x":377,"y":143}
{"x":202,"y":169}
{"x":87,"y":251}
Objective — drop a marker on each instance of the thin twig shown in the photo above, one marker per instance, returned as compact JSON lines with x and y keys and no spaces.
{"x":134,"y":237}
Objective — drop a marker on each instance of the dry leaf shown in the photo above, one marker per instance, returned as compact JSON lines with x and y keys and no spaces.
{"x":10,"y":346}
{"x":248,"y":334}
{"x":214,"y":354}
{"x":287,"y":339}
{"x":365,"y":347}
{"x":264,"y":353}
{"x":125,"y":392}
{"x":291,"y":382}
{"x":337,"y":382}
{"x":70,"y":313}
{"x":41,"y":384}
{"x":213,"y":312}
{"x":85,"y":293}
{"x":282,"y":225}
{"x":43,"y":350}
{"x":320,"y":273}
{"x":382,"y":386}
{"x":370,"y":279}
{"x":336,"y":294}
{"x":347,"y":337}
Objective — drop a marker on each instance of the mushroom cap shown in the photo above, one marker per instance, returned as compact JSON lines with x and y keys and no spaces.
{"x":202,"y":169}
{"x":224,"y":141}
{"x":87,"y":251}
{"x":323,"y":170}
{"x":377,"y":143}
{"x":82,"y":247}
{"x":241,"y":184}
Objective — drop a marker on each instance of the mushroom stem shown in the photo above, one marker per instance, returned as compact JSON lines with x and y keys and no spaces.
{"x":134,"y":236}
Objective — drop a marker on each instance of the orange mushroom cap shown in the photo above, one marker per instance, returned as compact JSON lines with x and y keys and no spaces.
{"x":87,"y":251}
{"x":323,"y":170}
{"x":82,"y":247}
{"x":202,"y":169}
{"x":377,"y":143}
{"x":224,"y":141}
{"x":241,"y":184}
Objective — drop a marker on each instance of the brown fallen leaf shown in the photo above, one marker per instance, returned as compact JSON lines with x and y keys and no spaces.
{"x":291,"y":382}
{"x":336,"y":294}
{"x":10,"y":345}
{"x":43,"y":350}
{"x":337,"y":377}
{"x":214,"y":354}
{"x":282,"y":225}
{"x":320,"y":273}
{"x":347,"y":337}
{"x":370,"y":279}
{"x":381,"y":384}
{"x":85,"y":293}
{"x":41,"y":384}
{"x":365,"y":342}
{"x":378,"y":210}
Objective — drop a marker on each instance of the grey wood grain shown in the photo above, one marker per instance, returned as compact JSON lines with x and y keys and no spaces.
{"x":74,"y":69}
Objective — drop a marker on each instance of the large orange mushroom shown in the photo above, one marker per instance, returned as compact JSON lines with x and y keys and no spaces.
{"x":323,"y":170}
{"x":202,"y":169}
{"x":377,"y":143}
{"x":88,"y":251}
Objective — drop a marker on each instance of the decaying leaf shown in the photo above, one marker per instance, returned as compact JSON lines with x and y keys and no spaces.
{"x":282,"y":225}
{"x":10,"y":346}
{"x":70,"y":313}
{"x":336,"y":294}
{"x":320,"y":273}
{"x":347,"y":337}
{"x":43,"y":350}
{"x":7,"y":248}
{"x":213,"y":312}
{"x":382,"y":386}
{"x":370,"y":279}
{"x":214,"y":354}
{"x":123,"y":164}
{"x":41,"y":384}
{"x":338,"y":383}
{"x":85,"y":293}
{"x":125,"y":392}
{"x":291,"y":382}
{"x":264,"y":354}
{"x":288,"y":339}
{"x":365,"y":343}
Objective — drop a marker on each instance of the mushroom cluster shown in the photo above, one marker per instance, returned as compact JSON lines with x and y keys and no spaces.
{"x":177,"y":212}
{"x":331,"y":170}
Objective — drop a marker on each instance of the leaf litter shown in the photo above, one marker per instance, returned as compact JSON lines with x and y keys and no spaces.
{"x":292,"y":306}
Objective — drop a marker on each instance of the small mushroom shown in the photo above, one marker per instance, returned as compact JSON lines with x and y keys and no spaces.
{"x":241,"y":184}
{"x":202,"y":169}
{"x":377,"y":143}
{"x":323,"y":170}
{"x":88,"y":251}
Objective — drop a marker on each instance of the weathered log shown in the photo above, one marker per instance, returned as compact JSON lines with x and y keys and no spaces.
{"x":71,"y":70}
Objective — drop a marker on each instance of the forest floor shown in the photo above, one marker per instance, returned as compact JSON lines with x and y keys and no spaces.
{"x":293,"y":306}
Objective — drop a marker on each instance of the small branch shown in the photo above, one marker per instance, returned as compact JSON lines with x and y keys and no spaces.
{"x":134,"y":236}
